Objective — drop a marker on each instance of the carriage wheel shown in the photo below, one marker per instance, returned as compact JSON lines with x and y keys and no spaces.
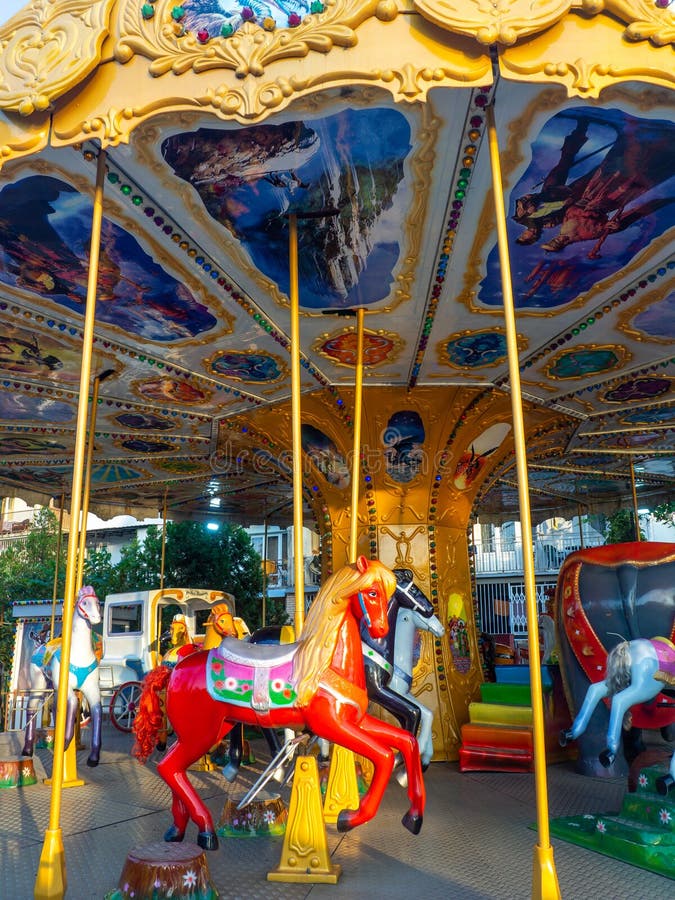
{"x":124,"y":705}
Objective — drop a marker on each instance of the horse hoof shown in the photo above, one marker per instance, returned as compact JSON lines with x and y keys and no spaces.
{"x":565,"y":737}
{"x":160,"y":746}
{"x":412,"y":822}
{"x":607,"y":758}
{"x":173,"y":835}
{"x":207,"y":840}
{"x":92,"y":762}
{"x":344,"y":819}
{"x":425,"y":766}
{"x":664,"y":784}
{"x":25,"y":752}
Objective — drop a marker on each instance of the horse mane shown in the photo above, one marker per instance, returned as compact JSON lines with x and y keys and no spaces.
{"x":322,"y":625}
{"x":617,"y":672}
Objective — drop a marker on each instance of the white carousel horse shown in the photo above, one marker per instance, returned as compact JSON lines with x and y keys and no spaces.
{"x":408,"y":621}
{"x":637,"y":671}
{"x":83,"y":675}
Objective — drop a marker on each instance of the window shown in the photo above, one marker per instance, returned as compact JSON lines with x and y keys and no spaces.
{"x":487,"y":538}
{"x":125,"y":619}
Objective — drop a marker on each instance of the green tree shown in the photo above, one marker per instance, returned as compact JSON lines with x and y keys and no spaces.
{"x":620,"y":527}
{"x":27,"y":573}
{"x":221,"y":560}
{"x":665,"y":512}
{"x":194,"y":557}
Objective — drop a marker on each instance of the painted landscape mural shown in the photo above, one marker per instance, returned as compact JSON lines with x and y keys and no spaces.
{"x":349,"y":164}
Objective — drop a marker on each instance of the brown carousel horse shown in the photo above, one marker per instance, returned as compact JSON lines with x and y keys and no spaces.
{"x":317,"y":683}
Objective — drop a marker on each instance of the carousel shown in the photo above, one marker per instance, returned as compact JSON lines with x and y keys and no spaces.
{"x":383,"y":268}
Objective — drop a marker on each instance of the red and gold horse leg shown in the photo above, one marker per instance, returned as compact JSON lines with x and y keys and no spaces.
{"x":198,"y":724}
{"x":408,"y":747}
{"x":345,"y":725}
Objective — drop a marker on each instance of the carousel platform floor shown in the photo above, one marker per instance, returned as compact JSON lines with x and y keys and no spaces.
{"x":477,"y":841}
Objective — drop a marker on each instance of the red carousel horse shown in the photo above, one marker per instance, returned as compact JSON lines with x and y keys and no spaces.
{"x":317,"y":683}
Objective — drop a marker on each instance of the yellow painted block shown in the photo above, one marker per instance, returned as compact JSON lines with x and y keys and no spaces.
{"x":498,"y":714}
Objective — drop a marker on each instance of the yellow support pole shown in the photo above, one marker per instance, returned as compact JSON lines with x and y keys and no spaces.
{"x":356,"y":453}
{"x":304,"y":856}
{"x":633,"y":488}
{"x":342,"y":787}
{"x":298,"y":561}
{"x":51,"y":882}
{"x":55,"y":587}
{"x":161,"y":566}
{"x":87,"y":477}
{"x":544,"y":878}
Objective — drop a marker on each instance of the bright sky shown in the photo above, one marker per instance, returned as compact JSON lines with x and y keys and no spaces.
{"x":9,"y":7}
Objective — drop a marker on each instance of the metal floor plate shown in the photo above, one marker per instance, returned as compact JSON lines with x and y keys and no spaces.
{"x":477,"y":840}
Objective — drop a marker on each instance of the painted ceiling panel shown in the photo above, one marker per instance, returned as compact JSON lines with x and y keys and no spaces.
{"x":395,"y":216}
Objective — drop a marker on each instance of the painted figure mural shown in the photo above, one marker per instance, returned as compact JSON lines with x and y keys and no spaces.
{"x":325,"y":456}
{"x":596,"y":193}
{"x":403,"y":441}
{"x":45,"y":230}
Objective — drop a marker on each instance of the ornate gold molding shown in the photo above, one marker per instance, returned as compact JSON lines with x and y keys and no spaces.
{"x":16,"y":140}
{"x":494,"y":21}
{"x":251,"y":49}
{"x":48,"y":48}
{"x":508,"y":21}
{"x":647,"y":21}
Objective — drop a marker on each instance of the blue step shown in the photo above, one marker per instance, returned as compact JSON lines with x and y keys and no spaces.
{"x":521,"y":675}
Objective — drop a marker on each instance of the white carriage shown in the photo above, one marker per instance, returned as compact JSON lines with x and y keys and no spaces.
{"x":135,"y":637}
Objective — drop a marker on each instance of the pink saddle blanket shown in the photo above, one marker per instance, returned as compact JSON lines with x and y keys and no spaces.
{"x":255,"y":675}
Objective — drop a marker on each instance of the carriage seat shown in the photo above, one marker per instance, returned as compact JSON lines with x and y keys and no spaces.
{"x":247,"y":654}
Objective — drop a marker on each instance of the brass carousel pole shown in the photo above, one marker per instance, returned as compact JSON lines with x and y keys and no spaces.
{"x":163,"y":559}
{"x":633,"y":488}
{"x":298,"y":561}
{"x":356,"y":452}
{"x":544,"y":877}
{"x":51,"y":875}
{"x":265,"y":578}
{"x":581,"y":527}
{"x":87,"y":478}
{"x":55,"y":587}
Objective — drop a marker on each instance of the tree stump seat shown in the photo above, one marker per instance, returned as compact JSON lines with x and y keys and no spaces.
{"x":165,"y":870}
{"x":17,"y":772}
{"x":267,"y":814}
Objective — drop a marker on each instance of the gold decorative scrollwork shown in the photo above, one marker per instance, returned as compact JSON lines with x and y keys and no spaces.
{"x":494,"y":21}
{"x":507,"y":21}
{"x":250,"y":49}
{"x":647,"y":21}
{"x":48,"y":48}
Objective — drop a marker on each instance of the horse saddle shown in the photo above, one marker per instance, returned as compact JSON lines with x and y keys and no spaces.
{"x":255,"y":675}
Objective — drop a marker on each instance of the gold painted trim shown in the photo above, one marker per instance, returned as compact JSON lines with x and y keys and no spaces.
{"x":48,"y":48}
{"x":508,"y":21}
{"x":500,"y":21}
{"x":622,"y":353}
{"x":251,"y":49}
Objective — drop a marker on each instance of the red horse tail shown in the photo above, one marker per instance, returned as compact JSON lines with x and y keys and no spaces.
{"x":150,"y":716}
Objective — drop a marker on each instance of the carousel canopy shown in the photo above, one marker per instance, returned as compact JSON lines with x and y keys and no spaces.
{"x":368,"y":121}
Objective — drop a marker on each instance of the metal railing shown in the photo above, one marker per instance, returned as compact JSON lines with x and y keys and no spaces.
{"x":507,"y":556}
